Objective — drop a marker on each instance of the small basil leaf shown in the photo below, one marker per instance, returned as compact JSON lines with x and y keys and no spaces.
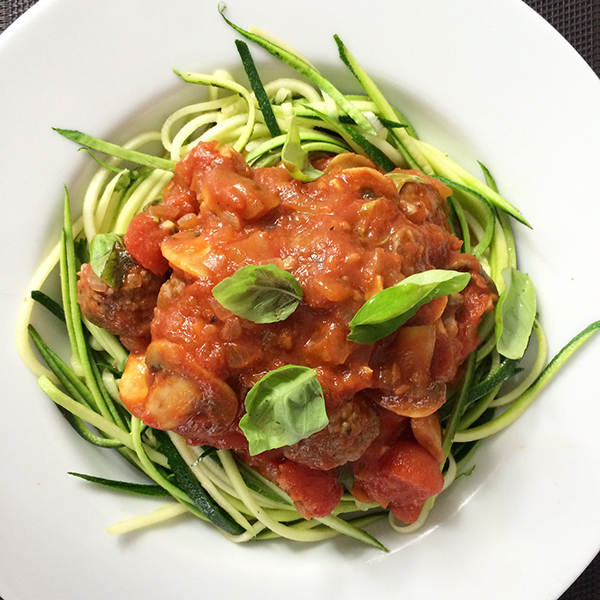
{"x":515,"y":314}
{"x":295,"y":158}
{"x":389,"y":309}
{"x":259,"y":293}
{"x":284,"y":407}
{"x":109,"y":259}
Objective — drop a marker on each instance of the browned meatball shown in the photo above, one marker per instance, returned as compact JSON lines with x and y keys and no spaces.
{"x":125,"y":311}
{"x":352,"y":428}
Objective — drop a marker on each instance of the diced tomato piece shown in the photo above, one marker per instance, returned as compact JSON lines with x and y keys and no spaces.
{"x":143,"y":239}
{"x":182,"y":199}
{"x":203,"y":157}
{"x":199,"y":160}
{"x":406,"y":476}
{"x":165,"y":212}
{"x":315,"y":493}
{"x":226,"y":191}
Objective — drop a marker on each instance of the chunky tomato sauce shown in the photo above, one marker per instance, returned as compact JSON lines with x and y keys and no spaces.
{"x":344,"y":237}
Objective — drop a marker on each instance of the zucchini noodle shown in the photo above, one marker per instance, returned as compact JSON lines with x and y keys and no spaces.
{"x":163,"y":513}
{"x":248,"y":506}
{"x":42,"y":273}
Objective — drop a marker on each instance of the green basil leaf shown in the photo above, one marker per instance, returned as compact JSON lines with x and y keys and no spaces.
{"x":295,"y":158}
{"x":109,"y":259}
{"x":259,"y":293}
{"x":284,"y":407}
{"x":515,"y":314}
{"x":389,"y":309}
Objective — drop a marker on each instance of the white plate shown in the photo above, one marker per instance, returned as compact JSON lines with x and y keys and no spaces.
{"x":483,"y":80}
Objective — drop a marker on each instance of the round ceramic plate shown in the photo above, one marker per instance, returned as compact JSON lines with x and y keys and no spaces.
{"x":487,"y":81}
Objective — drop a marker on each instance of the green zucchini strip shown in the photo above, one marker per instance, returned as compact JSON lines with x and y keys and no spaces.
{"x":404,"y":141}
{"x":267,"y":489}
{"x":43,"y":271}
{"x":257,"y":87}
{"x":191,"y":486}
{"x":148,"y":191}
{"x":222,"y":493}
{"x":69,"y":287}
{"x":329,"y":144}
{"x":61,"y":370}
{"x":259,"y":513}
{"x":140,"y":489}
{"x":232,"y":86}
{"x":449,"y":436}
{"x":214,"y":479}
{"x":536,"y":369}
{"x":508,"y":238}
{"x":350,"y":530}
{"x":106,"y":397}
{"x":350,"y":133}
{"x":527,"y":398}
{"x":305,"y":69}
{"x":109,"y":343}
{"x":93,"y":418}
{"x":54,"y":307}
{"x":152,"y":472}
{"x":325,"y":532}
{"x":78,"y":425}
{"x":80,"y":351}
{"x":163,"y":513}
{"x":486,"y":199}
{"x":446,"y":168}
{"x":499,"y":375}
{"x":479,"y":211}
{"x":146,"y":160}
{"x":465,"y":233}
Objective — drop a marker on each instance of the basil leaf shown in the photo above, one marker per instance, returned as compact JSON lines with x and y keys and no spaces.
{"x":259,"y":293}
{"x":109,"y":259}
{"x":295,"y":158}
{"x":389,"y":309}
{"x":284,"y":407}
{"x":515,"y":314}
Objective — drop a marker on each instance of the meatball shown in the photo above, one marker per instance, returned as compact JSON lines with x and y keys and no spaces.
{"x":352,"y":428}
{"x":125,"y":311}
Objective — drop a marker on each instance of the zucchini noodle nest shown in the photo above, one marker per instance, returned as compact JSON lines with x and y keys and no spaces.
{"x":265,"y":121}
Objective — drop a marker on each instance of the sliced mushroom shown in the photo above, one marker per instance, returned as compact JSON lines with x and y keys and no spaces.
{"x":167,"y":388}
{"x":187,"y":251}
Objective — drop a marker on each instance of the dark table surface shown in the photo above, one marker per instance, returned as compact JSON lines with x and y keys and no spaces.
{"x":579,"y":22}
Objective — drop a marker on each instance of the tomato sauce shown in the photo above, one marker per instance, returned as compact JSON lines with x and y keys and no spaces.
{"x":344,"y":237}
